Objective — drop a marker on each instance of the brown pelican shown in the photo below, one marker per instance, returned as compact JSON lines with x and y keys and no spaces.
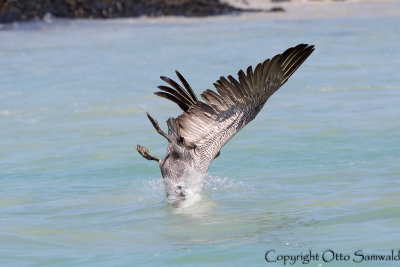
{"x":196,"y":137}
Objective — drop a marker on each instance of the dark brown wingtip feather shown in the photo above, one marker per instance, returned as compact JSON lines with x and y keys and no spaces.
{"x":290,"y":60}
{"x":237,"y":86}
{"x":243,"y":82}
{"x":178,"y":88}
{"x":187,"y":86}
{"x":250,"y":73}
{"x":230,"y":89}
{"x":291,"y":53}
{"x":172,"y":98}
{"x":174,"y":93}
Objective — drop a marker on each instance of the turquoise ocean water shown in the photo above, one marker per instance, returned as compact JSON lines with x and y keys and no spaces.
{"x":318,"y":168}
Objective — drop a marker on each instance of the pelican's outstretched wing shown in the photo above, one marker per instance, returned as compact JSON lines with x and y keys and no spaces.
{"x":207,"y":126}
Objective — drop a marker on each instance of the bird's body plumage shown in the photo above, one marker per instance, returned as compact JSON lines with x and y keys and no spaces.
{"x":196,"y":137}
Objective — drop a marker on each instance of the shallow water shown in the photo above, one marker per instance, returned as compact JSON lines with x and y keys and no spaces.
{"x":318,"y":169}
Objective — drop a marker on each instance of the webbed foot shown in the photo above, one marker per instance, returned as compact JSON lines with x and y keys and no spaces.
{"x":146,"y":154}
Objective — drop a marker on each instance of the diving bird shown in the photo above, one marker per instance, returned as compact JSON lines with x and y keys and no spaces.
{"x":196,"y":137}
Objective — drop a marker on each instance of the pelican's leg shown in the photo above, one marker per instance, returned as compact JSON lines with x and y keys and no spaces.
{"x":146,"y":154}
{"x":156,"y":125}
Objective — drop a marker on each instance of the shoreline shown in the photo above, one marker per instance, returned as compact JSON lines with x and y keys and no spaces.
{"x":20,"y":10}
{"x":322,"y":9}
{"x":294,"y":10}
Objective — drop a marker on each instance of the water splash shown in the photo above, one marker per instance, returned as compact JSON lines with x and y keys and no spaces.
{"x":215,"y":183}
{"x":187,"y":190}
{"x":194,"y":188}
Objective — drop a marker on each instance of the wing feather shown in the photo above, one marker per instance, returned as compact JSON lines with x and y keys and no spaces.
{"x":187,"y":86}
{"x":174,"y":99}
{"x":208,"y":125}
{"x":243,"y":82}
